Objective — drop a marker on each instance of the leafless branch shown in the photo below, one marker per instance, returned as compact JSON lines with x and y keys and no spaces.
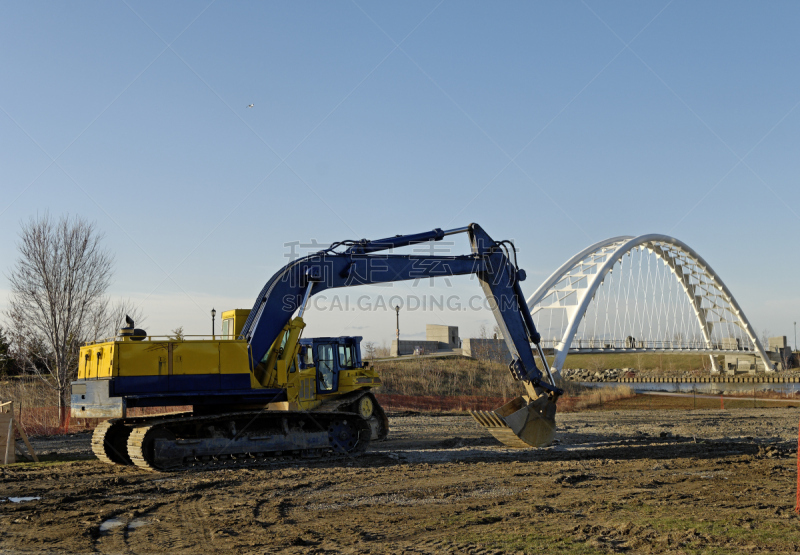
{"x":58,"y":286}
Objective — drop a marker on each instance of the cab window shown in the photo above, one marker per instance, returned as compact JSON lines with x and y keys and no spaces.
{"x":306,"y":357}
{"x":346,"y":358}
{"x":227,"y":328}
{"x":325,"y":367}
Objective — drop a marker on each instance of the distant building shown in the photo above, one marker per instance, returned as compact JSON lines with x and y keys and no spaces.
{"x":494,"y":350}
{"x":444,"y":339}
{"x":778,"y":351}
{"x":438,"y":338}
{"x":446,"y":336}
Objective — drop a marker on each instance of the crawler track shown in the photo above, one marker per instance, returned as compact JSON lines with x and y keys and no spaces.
{"x":109,"y":442}
{"x":242,"y":437}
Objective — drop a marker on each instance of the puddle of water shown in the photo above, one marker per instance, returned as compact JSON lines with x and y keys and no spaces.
{"x":116,"y":522}
{"x":137,"y":522}
{"x":111,"y":523}
{"x":23,"y":499}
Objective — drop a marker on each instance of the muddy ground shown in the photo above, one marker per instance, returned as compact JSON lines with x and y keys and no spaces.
{"x":625,"y":481}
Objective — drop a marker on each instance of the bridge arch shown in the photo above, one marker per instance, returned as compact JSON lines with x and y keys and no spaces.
{"x":572,"y":288}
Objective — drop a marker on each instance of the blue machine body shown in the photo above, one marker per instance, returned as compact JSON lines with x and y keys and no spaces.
{"x":364,"y":263}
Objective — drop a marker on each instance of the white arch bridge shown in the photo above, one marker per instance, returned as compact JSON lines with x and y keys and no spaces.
{"x":651,"y":293}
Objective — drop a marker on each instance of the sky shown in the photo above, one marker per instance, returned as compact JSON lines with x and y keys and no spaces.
{"x":553,"y":124}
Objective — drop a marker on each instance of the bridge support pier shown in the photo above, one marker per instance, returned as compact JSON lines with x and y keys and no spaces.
{"x":715,"y":369}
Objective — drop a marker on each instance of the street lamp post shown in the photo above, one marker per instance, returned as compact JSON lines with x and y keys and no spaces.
{"x":213,"y":315}
{"x":397,"y":310}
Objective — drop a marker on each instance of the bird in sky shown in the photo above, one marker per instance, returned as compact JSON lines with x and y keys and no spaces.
{"x":249,"y":105}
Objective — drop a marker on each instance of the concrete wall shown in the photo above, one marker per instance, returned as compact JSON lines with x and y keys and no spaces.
{"x":437,"y":338}
{"x":780,"y":353}
{"x":776,"y":343}
{"x":447,"y":336}
{"x":486,"y":349}
{"x":407,"y":347}
{"x":743,"y":363}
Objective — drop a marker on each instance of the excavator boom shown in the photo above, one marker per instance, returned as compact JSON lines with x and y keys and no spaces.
{"x":525,"y":421}
{"x":358,"y":264}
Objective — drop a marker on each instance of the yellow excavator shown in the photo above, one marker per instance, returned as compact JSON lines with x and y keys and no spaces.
{"x":260,"y":390}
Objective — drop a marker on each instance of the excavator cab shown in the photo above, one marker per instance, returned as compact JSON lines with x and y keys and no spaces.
{"x":330,"y":356}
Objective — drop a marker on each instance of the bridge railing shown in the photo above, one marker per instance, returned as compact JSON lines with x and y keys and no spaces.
{"x":631,"y":343}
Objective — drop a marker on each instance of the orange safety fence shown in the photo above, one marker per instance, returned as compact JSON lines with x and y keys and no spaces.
{"x":457,"y":403}
{"x":38,"y":421}
{"x":439,"y":402}
{"x":47,"y":421}
{"x":797,"y":498}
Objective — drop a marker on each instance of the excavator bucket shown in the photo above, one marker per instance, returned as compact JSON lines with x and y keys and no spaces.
{"x":521,"y":423}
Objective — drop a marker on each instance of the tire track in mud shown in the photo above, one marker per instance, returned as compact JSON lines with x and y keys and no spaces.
{"x":157,"y":528}
{"x":138,"y":527}
{"x":189,"y":529}
{"x":264,"y":512}
{"x":434,"y":547}
{"x":613,"y":484}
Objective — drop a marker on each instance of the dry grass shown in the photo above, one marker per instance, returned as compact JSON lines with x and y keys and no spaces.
{"x":458,"y":383}
{"x":659,"y":402}
{"x":653,"y":362}
{"x":35,"y":404}
{"x":450,"y":376}
{"x":28,"y":392}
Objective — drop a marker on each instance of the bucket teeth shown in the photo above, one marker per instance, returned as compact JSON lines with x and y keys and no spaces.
{"x":521,"y":423}
{"x":487,"y":419}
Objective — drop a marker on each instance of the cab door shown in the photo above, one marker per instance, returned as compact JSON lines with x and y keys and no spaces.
{"x":327,"y":368}
{"x":302,"y":382}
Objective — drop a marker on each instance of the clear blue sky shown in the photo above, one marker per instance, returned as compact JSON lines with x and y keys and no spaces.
{"x":553,"y":124}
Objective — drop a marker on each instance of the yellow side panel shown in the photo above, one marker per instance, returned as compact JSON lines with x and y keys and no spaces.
{"x":301,"y":389}
{"x":233,"y":357}
{"x":142,"y":358}
{"x":195,"y":357}
{"x":85,"y":363}
{"x":96,"y":361}
{"x":105,"y":362}
{"x":359,"y":378}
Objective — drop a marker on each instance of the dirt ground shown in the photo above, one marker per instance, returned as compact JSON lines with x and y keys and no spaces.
{"x":650,"y":481}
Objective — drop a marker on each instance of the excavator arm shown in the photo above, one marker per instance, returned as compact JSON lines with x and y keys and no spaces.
{"x":353,"y":263}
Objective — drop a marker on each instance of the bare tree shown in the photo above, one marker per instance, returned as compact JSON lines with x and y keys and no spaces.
{"x":764,"y":338}
{"x":177,"y":334}
{"x":8,"y":365}
{"x":57,"y":286}
{"x":383,"y":351}
{"x":496,"y":332}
